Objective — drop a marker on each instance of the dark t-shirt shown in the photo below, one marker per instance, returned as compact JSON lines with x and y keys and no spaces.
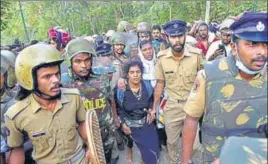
{"x":132,"y":108}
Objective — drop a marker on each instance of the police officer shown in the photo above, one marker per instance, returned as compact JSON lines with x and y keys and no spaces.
{"x":104,"y":62}
{"x":144,"y":32}
{"x":94,"y":87}
{"x":7,"y":83}
{"x":45,"y":112}
{"x":8,"y":92}
{"x":8,"y":70}
{"x":104,"y":50}
{"x":176,"y":69}
{"x":120,"y":57}
{"x":124,"y":26}
{"x":230,"y":92}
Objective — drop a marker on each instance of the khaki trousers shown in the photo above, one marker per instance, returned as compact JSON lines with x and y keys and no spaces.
{"x":174,"y":117}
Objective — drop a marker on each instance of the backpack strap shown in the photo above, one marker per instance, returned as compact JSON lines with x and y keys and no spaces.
{"x":148,"y":87}
{"x":121,"y":93}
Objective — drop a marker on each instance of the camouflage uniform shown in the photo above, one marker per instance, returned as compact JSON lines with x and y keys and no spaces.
{"x":142,"y":27}
{"x":8,"y":71}
{"x":244,"y":150}
{"x":95,"y":93}
{"x":232,"y":109}
{"x":118,"y":62}
{"x":7,"y":100}
{"x":232,"y":106}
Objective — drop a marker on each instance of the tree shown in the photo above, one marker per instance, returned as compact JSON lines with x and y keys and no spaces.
{"x":87,"y":18}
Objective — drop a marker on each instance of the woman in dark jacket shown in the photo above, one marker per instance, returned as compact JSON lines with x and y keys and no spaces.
{"x":135,"y":114}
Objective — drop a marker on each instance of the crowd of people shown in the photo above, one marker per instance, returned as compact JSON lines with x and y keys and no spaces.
{"x":149,"y":85}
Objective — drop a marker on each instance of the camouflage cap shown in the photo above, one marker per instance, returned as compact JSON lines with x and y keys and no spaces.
{"x":118,"y":38}
{"x":144,"y":27}
{"x":124,"y":26}
{"x":79,"y":45}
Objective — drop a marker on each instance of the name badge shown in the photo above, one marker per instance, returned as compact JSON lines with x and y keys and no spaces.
{"x":169,"y":72}
{"x":38,"y":134}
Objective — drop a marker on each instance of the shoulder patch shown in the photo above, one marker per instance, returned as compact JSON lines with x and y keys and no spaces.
{"x":73,"y":91}
{"x":15,"y":109}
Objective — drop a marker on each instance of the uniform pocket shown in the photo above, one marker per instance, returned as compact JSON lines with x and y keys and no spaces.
{"x":72,"y":137}
{"x":170,"y":76}
{"x":42,"y":144}
{"x":190,"y":77}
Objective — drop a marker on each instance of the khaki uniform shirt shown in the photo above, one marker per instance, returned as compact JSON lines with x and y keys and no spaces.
{"x":3,"y":104}
{"x":54,"y":135}
{"x":196,"y":103}
{"x":179,"y":75}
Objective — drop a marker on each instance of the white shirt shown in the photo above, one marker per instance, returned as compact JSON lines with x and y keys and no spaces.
{"x":214,"y":46}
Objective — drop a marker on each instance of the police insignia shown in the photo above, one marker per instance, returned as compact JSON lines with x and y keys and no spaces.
{"x":175,"y":25}
{"x":5,"y":131}
{"x":260,"y":26}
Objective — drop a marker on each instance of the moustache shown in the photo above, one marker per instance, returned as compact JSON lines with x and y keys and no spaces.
{"x":56,"y":86}
{"x":178,"y":44}
{"x":259,"y":58}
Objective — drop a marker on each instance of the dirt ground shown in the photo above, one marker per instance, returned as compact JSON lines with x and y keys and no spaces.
{"x":164,"y":159}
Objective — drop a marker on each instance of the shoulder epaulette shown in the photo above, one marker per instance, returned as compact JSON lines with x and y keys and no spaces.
{"x":15,"y":109}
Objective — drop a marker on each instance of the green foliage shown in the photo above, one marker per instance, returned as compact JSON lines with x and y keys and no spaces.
{"x":87,"y":18}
